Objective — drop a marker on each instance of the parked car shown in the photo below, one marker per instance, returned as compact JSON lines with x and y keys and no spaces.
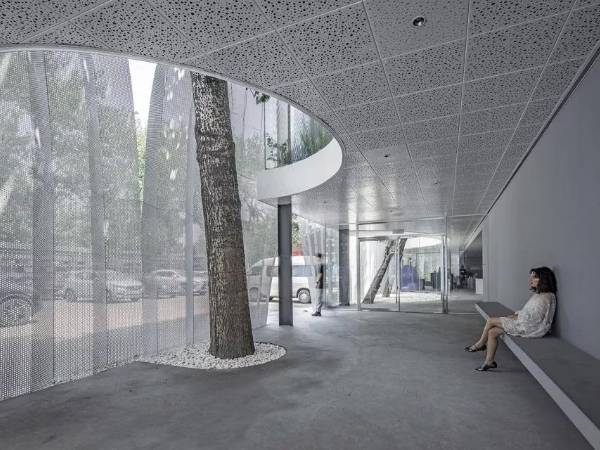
{"x":165,"y":282}
{"x":17,"y":305}
{"x":78,"y":285}
{"x":263,"y":278}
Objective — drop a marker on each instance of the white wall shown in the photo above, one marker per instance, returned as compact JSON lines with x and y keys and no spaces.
{"x":550,"y":215}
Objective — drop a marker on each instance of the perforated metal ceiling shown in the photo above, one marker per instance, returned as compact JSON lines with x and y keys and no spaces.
{"x":433,"y":119}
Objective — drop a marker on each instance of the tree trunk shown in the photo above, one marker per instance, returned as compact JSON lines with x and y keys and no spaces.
{"x":389,"y":252}
{"x":230,"y":326}
{"x":96,"y":214}
{"x":386,"y":287}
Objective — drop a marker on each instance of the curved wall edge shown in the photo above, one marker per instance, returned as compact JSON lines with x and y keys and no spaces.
{"x":300,"y":176}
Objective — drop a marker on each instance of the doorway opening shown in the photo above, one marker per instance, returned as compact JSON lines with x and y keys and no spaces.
{"x":402,"y":272}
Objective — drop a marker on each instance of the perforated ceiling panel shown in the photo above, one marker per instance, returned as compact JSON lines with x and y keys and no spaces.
{"x":472,"y":69}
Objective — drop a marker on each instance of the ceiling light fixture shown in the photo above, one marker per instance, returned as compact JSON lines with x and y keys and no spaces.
{"x":419,"y":21}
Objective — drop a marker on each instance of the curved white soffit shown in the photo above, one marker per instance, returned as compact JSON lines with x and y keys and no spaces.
{"x":300,"y":176}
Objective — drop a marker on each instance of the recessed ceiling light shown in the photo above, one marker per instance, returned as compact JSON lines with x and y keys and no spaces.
{"x":419,"y":21}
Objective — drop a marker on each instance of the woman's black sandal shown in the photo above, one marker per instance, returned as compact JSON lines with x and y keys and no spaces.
{"x":472,"y":348}
{"x":485,"y":367}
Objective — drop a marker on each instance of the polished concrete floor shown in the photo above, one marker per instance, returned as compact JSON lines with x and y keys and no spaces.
{"x":350,"y":380}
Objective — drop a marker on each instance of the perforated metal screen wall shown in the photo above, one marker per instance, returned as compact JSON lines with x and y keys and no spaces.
{"x":102,"y":249}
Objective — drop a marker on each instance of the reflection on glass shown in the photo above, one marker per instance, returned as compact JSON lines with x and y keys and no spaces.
{"x":289,"y":134}
{"x":420,"y":275}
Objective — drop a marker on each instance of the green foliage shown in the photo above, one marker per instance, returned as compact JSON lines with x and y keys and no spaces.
{"x":69,"y":127}
{"x":308,"y":137}
{"x":279,"y":154}
{"x":260,"y":98}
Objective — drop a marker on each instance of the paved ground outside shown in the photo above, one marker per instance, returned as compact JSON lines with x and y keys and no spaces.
{"x":350,"y":380}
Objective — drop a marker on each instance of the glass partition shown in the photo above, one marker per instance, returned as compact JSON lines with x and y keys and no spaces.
{"x":378,"y":260}
{"x":290,"y":135}
{"x":466,"y":279}
{"x":421,"y":275}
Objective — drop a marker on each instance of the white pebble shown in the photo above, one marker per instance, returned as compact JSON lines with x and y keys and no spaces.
{"x":197,"y":357}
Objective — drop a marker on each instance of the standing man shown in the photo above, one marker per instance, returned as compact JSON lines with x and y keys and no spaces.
{"x":319,"y":286}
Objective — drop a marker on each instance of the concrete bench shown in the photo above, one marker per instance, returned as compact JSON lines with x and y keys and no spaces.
{"x":570,"y":376}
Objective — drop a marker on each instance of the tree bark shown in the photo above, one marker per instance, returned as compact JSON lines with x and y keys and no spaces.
{"x":230,"y":326}
{"x":389,"y":252}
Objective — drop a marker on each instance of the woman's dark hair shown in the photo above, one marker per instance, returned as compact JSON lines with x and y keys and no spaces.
{"x":547,"y":281}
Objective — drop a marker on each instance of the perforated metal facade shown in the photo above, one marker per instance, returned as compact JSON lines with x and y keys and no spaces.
{"x":102,"y":250}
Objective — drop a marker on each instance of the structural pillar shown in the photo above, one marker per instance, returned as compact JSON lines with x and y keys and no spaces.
{"x":284,"y":240}
{"x":344,"y":268}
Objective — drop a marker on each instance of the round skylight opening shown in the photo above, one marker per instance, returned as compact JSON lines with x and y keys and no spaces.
{"x":419,"y":21}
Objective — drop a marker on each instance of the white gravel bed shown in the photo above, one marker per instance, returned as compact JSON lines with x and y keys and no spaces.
{"x":197,"y":357}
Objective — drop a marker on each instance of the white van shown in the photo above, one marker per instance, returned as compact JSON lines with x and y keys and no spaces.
{"x":263,"y":277}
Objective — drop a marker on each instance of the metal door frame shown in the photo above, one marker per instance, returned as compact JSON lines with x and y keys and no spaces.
{"x":444,"y":279}
{"x":358,"y":271}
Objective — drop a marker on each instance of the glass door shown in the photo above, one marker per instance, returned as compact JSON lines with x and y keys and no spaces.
{"x":421,"y":275}
{"x":377,"y":273}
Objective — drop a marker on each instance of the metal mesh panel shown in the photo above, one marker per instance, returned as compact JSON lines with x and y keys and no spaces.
{"x":42,"y":220}
{"x":95,"y":220}
{"x":166,"y":150}
{"x":16,"y":185}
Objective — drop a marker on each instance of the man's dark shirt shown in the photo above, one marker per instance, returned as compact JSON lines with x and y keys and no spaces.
{"x":320,"y":272}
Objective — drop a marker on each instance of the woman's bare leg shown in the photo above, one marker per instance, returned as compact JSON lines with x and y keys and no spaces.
{"x":492,"y":344}
{"x":489,"y":324}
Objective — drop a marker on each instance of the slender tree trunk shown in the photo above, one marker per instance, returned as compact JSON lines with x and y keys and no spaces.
{"x":96,"y":214}
{"x":387,"y":257}
{"x":386,"y":287}
{"x":154,"y":138}
{"x":43,"y":201}
{"x":230,"y":326}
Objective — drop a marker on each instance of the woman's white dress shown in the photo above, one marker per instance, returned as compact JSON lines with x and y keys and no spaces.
{"x":534,"y":319}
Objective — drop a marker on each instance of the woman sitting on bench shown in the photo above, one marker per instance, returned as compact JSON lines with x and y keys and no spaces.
{"x":533,"y":320}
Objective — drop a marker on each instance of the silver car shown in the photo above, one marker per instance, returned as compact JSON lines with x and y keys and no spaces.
{"x":78,"y":285}
{"x":165,"y":283}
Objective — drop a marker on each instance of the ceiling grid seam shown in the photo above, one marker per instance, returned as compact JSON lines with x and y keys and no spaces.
{"x":460,"y":111}
{"x":563,"y":98}
{"x":557,"y":39}
{"x":274,"y":28}
{"x":80,"y":29}
{"x":525,"y":22}
{"x":488,"y":77}
{"x":154,"y":7}
{"x":387,"y":79}
{"x":68,"y":20}
{"x":333,"y":72}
